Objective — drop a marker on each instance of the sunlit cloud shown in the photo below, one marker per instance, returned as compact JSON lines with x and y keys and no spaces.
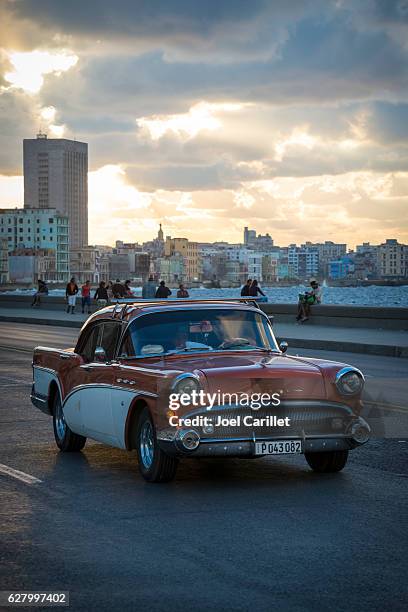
{"x":108,"y":191}
{"x":201,"y":116}
{"x":48,"y":113}
{"x":299,"y":137}
{"x":30,"y":68}
{"x":57,"y":131}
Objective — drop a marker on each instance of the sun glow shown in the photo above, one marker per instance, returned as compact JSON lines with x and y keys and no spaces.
{"x":201,"y":116}
{"x":30,"y":68}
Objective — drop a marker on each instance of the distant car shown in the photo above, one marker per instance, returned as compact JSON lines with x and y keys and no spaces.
{"x":135,"y":361}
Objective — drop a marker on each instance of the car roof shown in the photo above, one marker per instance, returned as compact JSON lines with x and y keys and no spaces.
{"x":128,"y":309}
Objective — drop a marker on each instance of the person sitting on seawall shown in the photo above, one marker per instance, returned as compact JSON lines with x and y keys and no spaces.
{"x":86,"y":296}
{"x":182,"y":292}
{"x":128,"y":289}
{"x":118,"y":290}
{"x":149,"y":289}
{"x":245,"y":289}
{"x":42,"y":290}
{"x":162,"y":291}
{"x":255,"y":289}
{"x":101,"y":295}
{"x":70,"y":294}
{"x":307,"y":299}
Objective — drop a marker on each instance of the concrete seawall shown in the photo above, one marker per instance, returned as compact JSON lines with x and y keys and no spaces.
{"x":322,"y":315}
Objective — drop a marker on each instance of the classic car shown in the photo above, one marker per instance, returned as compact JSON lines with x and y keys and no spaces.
{"x":196,"y":378}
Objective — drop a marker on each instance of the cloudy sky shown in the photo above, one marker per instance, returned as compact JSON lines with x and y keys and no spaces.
{"x":208,"y":115}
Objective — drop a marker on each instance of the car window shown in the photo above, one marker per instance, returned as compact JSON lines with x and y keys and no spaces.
{"x":110,"y":336}
{"x":88,"y":344}
{"x":127,"y":348}
{"x":197,"y":330}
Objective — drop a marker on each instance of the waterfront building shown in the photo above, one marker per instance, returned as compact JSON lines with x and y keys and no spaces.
{"x":341,"y":268}
{"x":190,"y":253}
{"x":393,"y":259}
{"x":171,"y":268}
{"x":303,"y":262}
{"x":38,"y":229}
{"x":327,"y":251}
{"x":4,"y":261}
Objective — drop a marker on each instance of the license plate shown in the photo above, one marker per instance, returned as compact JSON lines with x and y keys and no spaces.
{"x":284,"y":447}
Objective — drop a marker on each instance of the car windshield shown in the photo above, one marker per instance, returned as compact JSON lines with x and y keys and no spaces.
{"x":195,"y":330}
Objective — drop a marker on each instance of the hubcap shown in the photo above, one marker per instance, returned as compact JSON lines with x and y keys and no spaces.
{"x":60,"y":424}
{"x":147,"y":444}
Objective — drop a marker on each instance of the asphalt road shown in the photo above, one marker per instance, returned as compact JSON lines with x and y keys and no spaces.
{"x":232,"y":535}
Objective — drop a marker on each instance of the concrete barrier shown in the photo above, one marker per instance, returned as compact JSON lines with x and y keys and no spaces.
{"x":324,"y":314}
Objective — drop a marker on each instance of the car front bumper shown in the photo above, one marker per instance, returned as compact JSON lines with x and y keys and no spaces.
{"x":320,"y":426}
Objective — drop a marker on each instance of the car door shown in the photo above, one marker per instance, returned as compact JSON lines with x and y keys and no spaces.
{"x":90,"y":401}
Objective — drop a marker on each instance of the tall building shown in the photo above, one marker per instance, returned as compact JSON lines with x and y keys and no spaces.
{"x":190,"y":253}
{"x":393,"y":259}
{"x":39,"y":230}
{"x":56,"y":176}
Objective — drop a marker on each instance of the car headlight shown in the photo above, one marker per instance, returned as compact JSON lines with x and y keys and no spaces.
{"x":186,"y":383}
{"x":349,"y":381}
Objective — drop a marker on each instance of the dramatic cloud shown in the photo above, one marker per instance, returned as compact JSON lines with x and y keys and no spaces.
{"x":289,"y":117}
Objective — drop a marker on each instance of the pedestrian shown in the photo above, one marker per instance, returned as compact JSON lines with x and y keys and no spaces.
{"x":245,"y":289}
{"x":42,"y":289}
{"x":163,"y":291}
{"x":118,"y":290}
{"x":182,"y":292}
{"x":101,"y":295}
{"x":109,"y":289}
{"x":307,"y":300}
{"x":70,"y":294}
{"x":149,"y":289}
{"x":86,"y":296}
{"x":255,"y":289}
{"x":128,"y":289}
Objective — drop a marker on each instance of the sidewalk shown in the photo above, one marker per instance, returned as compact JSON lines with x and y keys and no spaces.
{"x":392,"y":343}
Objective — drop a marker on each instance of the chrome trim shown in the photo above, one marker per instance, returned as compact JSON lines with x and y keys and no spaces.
{"x":106,"y":385}
{"x":285,"y":404}
{"x":343,"y":372}
{"x":183,"y":376}
{"x":185,"y":433}
{"x":37,"y":398}
{"x":55,"y":378}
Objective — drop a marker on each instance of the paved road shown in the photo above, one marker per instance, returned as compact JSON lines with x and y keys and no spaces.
{"x":238,"y":535}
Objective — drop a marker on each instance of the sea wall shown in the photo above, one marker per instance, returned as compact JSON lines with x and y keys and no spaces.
{"x":325,"y":314}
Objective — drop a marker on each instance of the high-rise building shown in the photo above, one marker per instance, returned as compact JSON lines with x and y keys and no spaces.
{"x":56,"y":176}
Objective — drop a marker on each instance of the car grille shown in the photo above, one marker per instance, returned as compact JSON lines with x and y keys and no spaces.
{"x":317,"y":420}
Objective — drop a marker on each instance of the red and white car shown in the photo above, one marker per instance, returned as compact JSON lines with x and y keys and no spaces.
{"x":132,"y":358}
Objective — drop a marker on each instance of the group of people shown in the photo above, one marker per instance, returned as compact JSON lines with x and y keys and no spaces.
{"x":150,"y":290}
{"x":251,"y":288}
{"x":118,"y":290}
{"x":102,"y":295}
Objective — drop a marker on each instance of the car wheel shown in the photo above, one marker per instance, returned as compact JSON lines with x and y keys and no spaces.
{"x":67,"y":441}
{"x":329,"y":461}
{"x":154,"y":464}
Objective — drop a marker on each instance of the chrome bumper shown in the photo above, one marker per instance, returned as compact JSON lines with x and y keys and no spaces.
{"x":246,"y":448}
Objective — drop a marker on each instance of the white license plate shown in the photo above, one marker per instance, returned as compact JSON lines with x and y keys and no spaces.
{"x":283,"y":447}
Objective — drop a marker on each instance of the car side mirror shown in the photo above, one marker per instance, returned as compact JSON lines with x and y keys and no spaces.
{"x":100,"y":354}
{"x":283,"y":346}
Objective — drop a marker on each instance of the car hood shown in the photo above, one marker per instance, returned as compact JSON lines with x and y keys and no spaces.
{"x":291,"y":377}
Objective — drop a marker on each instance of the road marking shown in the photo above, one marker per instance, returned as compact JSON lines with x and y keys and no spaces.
{"x":27,"y":478}
{"x":18,"y":349}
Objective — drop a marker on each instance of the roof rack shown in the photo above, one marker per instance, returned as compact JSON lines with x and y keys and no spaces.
{"x":159,"y":302}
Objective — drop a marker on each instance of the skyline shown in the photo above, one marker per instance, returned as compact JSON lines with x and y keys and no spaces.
{"x":287,"y":118}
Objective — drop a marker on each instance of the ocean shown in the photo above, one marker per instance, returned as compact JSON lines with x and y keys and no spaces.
{"x":372,"y":295}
